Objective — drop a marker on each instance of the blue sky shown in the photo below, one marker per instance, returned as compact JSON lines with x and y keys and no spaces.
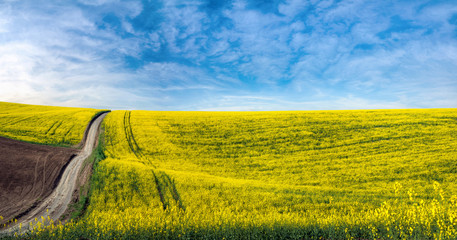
{"x":229,"y":55}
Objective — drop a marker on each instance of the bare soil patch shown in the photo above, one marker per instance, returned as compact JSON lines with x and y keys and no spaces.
{"x":28,"y":174}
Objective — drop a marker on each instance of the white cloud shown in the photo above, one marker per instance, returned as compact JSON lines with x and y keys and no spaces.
{"x":439,"y":13}
{"x":292,"y":7}
{"x":58,"y":59}
{"x":260,"y":103}
{"x":182,"y":26}
{"x":4,"y":22}
{"x":170,"y":75}
{"x":262,"y":44}
{"x":97,"y":2}
{"x":31,"y":74}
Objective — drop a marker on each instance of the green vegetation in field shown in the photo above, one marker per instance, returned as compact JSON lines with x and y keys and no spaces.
{"x":61,"y":126}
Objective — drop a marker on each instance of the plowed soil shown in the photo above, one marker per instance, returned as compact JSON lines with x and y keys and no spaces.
{"x":28,"y":174}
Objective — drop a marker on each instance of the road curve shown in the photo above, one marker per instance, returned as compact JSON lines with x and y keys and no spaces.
{"x":57,"y":202}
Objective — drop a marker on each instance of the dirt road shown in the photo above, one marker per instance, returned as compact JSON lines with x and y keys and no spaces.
{"x":56,"y":203}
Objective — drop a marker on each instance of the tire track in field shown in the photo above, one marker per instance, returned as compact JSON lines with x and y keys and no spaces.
{"x":55,"y":128}
{"x":163,"y":182}
{"x":138,"y":153}
{"x":130,"y":138}
{"x":50,"y":128}
{"x":44,"y":174}
{"x":68,"y":132}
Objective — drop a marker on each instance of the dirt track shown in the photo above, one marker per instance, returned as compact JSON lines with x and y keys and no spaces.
{"x":55,"y":204}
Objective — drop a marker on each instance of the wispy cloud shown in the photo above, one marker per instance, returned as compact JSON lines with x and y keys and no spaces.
{"x":237,"y":55}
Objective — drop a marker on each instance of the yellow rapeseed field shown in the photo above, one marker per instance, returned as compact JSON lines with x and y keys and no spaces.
{"x":44,"y":124}
{"x":385,"y":174}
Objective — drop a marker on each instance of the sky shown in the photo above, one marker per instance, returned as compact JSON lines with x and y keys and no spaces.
{"x":229,"y":55}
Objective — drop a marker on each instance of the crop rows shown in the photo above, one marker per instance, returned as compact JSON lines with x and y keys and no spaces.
{"x":44,"y":124}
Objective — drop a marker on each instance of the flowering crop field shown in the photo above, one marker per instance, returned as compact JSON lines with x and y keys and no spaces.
{"x":61,"y":126}
{"x":384,"y":174}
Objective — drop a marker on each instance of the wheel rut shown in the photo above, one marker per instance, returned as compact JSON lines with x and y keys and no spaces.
{"x":165,"y":186}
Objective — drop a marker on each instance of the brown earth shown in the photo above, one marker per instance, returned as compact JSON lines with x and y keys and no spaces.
{"x":28,"y":174}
